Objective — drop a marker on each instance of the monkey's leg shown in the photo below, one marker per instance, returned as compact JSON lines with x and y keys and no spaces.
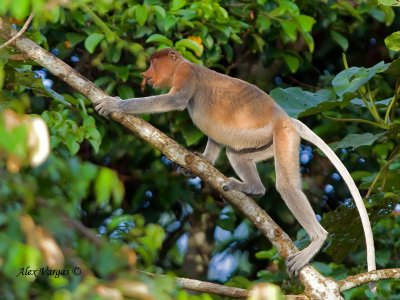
{"x":288,"y":184}
{"x":244,"y":164}
{"x":212,"y":151}
{"x":211,"y":154}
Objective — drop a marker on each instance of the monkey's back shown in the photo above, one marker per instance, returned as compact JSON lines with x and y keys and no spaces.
{"x":231,"y":111}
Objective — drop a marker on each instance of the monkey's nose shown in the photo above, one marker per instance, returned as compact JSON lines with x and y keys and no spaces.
{"x":144,"y":75}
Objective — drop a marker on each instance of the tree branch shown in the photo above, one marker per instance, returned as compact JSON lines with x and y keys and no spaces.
{"x":21,"y":32}
{"x":359,"y":279}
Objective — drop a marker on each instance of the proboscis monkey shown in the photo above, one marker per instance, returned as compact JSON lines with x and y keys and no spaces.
{"x":252,"y":127}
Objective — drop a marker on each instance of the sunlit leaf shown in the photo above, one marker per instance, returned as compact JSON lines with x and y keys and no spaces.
{"x":108,"y":185}
{"x":189,"y":44}
{"x":393,"y":41}
{"x":92,"y":41}
{"x":177,"y":4}
{"x":159,"y":38}
{"x":141,"y":14}
{"x":306,"y":22}
{"x":389,"y":2}
{"x":290,"y":28}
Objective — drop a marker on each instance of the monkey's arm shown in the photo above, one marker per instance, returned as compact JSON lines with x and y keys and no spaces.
{"x":212,"y":151}
{"x":153,"y":104}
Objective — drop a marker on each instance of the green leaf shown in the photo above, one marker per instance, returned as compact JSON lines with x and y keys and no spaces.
{"x":354,"y":141}
{"x":394,"y":68}
{"x":114,"y":53}
{"x":392,"y":42}
{"x":289,"y":6}
{"x":19,"y":8}
{"x":221,"y":15}
{"x":71,"y":143}
{"x":106,"y":185}
{"x":292,"y":62}
{"x":141,"y":14}
{"x":389,"y":14}
{"x":169,"y":22}
{"x":309,"y":40}
{"x":208,"y":41}
{"x":340,"y":39}
{"x":290,"y":28}
{"x":160,"y":39}
{"x":189,"y":44}
{"x":92,"y":41}
{"x":227,"y":223}
{"x":266,"y":254}
{"x":159,"y":10}
{"x":263,"y":23}
{"x":389,"y":2}
{"x":297,"y":102}
{"x":377,"y":14}
{"x":177,"y":4}
{"x":306,"y":22}
{"x":350,"y":80}
{"x":74,"y":38}
{"x":236,"y":38}
{"x":91,"y":133}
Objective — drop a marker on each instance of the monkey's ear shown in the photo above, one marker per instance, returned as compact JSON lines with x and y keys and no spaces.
{"x":172,"y":54}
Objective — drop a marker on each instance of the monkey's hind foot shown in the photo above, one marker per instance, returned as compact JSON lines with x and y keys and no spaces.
{"x":295,"y":262}
{"x":251,"y":191}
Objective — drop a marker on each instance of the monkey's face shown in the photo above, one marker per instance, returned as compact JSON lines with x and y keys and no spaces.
{"x":160,"y":72}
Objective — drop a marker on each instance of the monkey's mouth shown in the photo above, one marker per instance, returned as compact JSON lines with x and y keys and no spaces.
{"x":150,"y":81}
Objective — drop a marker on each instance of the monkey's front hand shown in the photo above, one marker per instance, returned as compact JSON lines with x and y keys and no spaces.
{"x":105,"y":106}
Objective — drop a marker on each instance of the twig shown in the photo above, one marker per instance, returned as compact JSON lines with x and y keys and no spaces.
{"x":303,"y":84}
{"x":356,"y":280}
{"x":206,"y":287}
{"x":23,"y":29}
{"x":213,"y":288}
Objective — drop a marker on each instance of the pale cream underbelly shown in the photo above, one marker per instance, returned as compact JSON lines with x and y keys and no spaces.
{"x":238,"y":138}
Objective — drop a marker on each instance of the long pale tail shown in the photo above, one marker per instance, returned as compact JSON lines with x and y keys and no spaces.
{"x":310,"y":136}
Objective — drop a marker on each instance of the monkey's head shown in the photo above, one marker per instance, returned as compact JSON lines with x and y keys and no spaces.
{"x":162,"y":68}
